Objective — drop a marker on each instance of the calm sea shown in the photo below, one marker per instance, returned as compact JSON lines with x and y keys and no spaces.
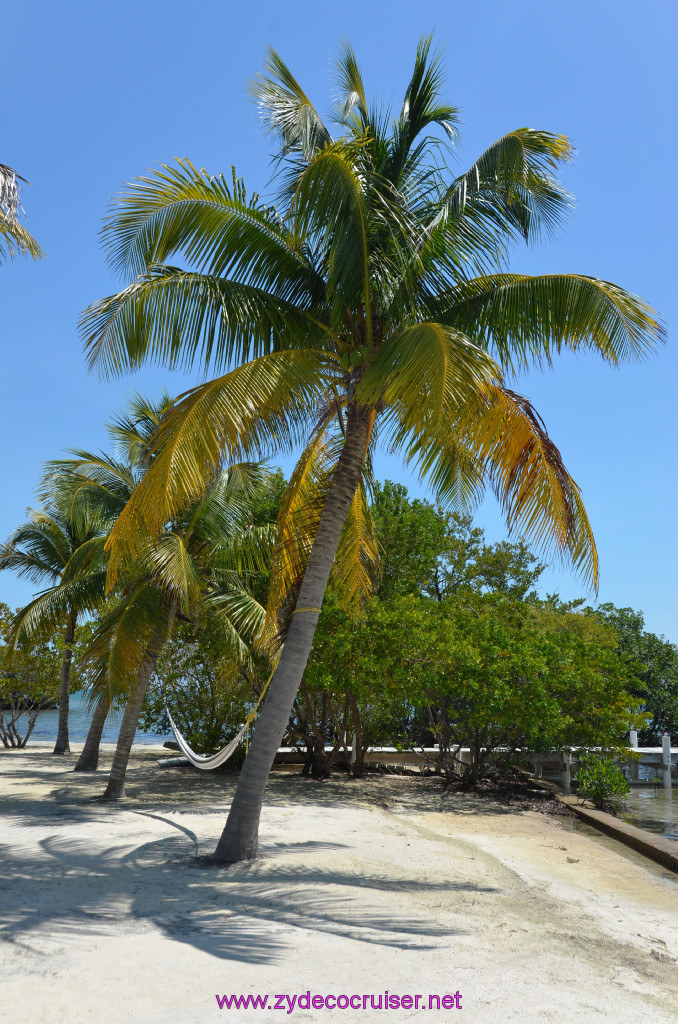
{"x":78,"y":723}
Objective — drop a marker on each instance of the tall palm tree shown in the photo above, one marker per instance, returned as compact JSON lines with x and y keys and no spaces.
{"x":61,"y":544}
{"x":14,"y":238}
{"x":372,"y":295}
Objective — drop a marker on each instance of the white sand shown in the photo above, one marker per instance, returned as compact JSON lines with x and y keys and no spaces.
{"x":387,"y":884}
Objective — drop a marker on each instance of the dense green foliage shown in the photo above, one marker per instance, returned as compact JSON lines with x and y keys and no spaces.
{"x":483,"y":672}
{"x":655,"y":665}
{"x":426,"y":550}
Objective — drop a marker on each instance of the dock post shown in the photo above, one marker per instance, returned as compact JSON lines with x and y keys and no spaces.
{"x":565,"y":778}
{"x":633,"y":743}
{"x":666,"y":759}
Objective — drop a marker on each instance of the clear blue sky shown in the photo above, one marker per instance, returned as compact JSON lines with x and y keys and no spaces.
{"x":94,"y":94}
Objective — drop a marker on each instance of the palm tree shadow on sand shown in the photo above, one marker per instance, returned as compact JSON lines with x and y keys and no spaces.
{"x":64,"y":888}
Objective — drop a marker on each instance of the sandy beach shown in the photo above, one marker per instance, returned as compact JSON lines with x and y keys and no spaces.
{"x":387,"y":884}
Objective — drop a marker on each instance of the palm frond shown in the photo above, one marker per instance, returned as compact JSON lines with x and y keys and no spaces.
{"x":526,"y":320}
{"x":238,"y":615}
{"x":298,"y":518}
{"x":422,"y":107}
{"x":285,"y":109}
{"x":15,"y":240}
{"x":512,"y":186}
{"x":329,"y":202}
{"x":132,"y":630}
{"x":46,"y":614}
{"x":352,"y":104}
{"x":174,"y":569}
{"x":179,"y":319}
{"x":216,"y":227}
{"x":357,"y":560}
{"x":259,"y":407}
{"x":425,"y":372}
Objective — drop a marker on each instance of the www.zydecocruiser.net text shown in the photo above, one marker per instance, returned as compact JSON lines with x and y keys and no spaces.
{"x":306,"y":1000}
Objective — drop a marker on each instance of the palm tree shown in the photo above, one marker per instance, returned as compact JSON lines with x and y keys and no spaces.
{"x":103,"y":483}
{"x":14,"y":239}
{"x":63,"y":544}
{"x":200,"y":566}
{"x":373,"y":295}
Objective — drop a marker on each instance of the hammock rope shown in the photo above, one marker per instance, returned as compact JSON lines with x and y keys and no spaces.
{"x":208,"y":762}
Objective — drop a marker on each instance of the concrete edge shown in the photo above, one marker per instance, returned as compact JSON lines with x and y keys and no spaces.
{"x":659,"y":849}
{"x":663,"y":851}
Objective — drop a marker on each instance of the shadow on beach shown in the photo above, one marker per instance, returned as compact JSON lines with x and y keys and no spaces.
{"x":73,"y":878}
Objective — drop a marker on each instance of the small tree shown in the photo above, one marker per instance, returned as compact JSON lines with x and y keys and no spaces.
{"x":28,"y":687}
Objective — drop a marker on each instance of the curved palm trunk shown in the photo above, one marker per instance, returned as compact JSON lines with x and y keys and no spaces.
{"x":89,"y":756}
{"x":62,"y":745}
{"x":240,"y":838}
{"x":115,"y":790}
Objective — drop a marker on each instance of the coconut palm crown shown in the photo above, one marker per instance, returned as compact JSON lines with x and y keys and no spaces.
{"x":369,"y":300}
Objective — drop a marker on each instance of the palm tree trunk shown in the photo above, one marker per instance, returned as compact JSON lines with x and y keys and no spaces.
{"x":115,"y":790}
{"x":89,"y":756}
{"x":62,"y":745}
{"x":240,"y":838}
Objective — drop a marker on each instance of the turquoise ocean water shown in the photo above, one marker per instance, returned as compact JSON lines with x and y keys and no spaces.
{"x":78,"y":723}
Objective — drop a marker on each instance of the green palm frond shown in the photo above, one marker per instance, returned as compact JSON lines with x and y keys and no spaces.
{"x":512,"y":187}
{"x":352,"y":104}
{"x":175,"y":570}
{"x":242,"y":554}
{"x":422,"y":108}
{"x":46,"y":614}
{"x":39,"y":546}
{"x":180,"y":319}
{"x":526,"y":320}
{"x":329,"y":201}
{"x":178,"y":209}
{"x":238,"y":615}
{"x":84,"y":559}
{"x":132,"y":433}
{"x":123,"y":639}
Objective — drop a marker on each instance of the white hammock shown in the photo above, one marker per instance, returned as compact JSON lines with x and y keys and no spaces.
{"x":206,"y":761}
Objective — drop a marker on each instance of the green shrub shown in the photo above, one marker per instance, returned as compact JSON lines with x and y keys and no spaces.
{"x":599,"y":778}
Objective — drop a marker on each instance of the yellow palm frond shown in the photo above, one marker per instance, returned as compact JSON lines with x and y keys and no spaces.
{"x":299,"y":517}
{"x":260,"y":407}
{"x":357,"y":558}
